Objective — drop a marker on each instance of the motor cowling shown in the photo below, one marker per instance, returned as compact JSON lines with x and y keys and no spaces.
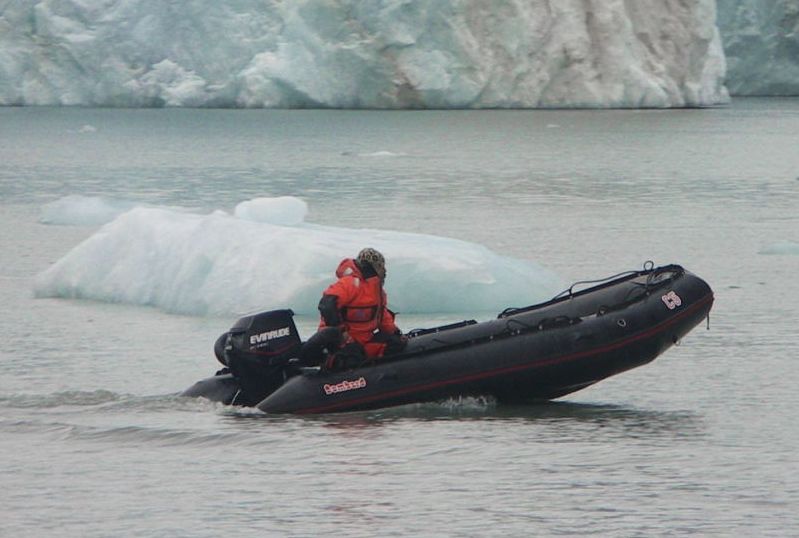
{"x":270,"y":335}
{"x":257,"y":350}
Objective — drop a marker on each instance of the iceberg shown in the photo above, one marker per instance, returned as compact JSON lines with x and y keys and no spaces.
{"x":220,"y":264}
{"x":285,"y":210}
{"x":761,"y":41}
{"x":77,"y":210}
{"x":781,"y":248}
{"x":351,"y":54}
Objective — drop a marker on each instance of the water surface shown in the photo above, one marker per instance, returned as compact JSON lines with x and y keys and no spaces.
{"x":700,"y":442}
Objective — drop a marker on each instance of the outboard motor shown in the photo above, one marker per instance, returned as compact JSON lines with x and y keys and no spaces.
{"x":257,"y":350}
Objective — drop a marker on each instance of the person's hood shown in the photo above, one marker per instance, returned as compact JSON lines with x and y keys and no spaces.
{"x":348,"y":267}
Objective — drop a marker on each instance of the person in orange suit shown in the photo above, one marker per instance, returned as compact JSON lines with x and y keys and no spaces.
{"x":356,"y":323}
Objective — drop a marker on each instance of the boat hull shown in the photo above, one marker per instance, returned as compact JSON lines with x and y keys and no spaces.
{"x":529,"y":354}
{"x":539,"y":362}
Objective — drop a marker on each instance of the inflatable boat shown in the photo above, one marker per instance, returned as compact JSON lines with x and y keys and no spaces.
{"x":527,"y":354}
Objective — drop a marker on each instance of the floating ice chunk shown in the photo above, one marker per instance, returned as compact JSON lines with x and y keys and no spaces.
{"x":87,"y":129}
{"x":781,"y":248}
{"x":382,"y":154}
{"x":223,"y":265}
{"x":378,"y":154}
{"x":284,"y":210}
{"x":76,"y":210}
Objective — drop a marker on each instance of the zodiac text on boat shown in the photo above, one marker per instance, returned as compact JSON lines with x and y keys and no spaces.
{"x":263,"y":338}
{"x":344,"y":386}
{"x":671,"y":300}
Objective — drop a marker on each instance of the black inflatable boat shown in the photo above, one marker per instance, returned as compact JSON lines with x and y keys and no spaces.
{"x":528,"y":354}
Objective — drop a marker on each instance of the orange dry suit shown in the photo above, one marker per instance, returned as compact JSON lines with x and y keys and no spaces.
{"x":356,"y":303}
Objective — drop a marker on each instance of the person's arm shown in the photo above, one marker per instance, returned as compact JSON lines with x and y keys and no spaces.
{"x":336,"y":296}
{"x":328,"y":308}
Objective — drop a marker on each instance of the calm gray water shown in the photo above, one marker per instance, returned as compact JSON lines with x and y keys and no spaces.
{"x":702,"y":442}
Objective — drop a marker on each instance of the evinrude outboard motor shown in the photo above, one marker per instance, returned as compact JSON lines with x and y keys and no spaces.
{"x":257,"y":350}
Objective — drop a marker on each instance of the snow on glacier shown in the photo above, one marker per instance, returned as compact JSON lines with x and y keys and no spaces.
{"x":220,"y":264}
{"x":761,"y":41}
{"x":352,"y":54}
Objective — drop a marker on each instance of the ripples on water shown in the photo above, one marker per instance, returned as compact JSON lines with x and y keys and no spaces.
{"x":559,"y":417}
{"x":486,"y":467}
{"x":701,"y":442}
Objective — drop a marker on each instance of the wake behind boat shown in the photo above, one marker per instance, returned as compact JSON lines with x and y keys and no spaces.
{"x":534,"y":353}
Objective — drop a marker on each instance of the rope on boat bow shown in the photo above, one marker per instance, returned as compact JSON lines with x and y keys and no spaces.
{"x":649,"y":266}
{"x":648,"y":269}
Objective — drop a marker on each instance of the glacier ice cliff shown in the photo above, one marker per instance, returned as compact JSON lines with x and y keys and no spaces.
{"x":761,"y":42}
{"x":353,"y":54}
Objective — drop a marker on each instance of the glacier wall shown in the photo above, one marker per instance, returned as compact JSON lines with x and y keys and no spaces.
{"x":761,"y":42}
{"x":354,"y":54}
